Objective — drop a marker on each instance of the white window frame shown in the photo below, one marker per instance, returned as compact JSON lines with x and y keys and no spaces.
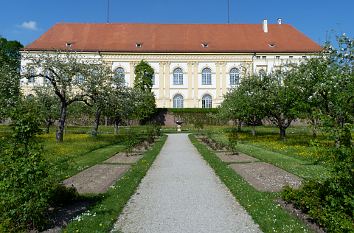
{"x":207,"y":101}
{"x":178,"y":76}
{"x":120,"y":74}
{"x":178,"y":101}
{"x":234,"y":76}
{"x":206,"y":76}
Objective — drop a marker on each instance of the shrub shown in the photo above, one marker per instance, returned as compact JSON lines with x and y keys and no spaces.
{"x":331,"y":202}
{"x":130,"y":141}
{"x":26,"y":185}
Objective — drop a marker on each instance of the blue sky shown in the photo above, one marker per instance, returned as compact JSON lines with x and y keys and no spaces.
{"x":26,"y":20}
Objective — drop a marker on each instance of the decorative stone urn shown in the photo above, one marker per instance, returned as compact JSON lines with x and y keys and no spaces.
{"x":179,"y":125}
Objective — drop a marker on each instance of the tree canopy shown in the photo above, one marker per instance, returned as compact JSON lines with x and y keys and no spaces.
{"x":144,"y":75}
{"x":9,"y":74}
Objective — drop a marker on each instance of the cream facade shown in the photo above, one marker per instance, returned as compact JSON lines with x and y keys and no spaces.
{"x":186,"y":87}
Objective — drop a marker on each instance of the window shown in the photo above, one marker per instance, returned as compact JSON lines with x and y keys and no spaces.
{"x":153,"y":80}
{"x":262,"y":73}
{"x":207,"y":101}
{"x":47,"y":74}
{"x":234,"y":76}
{"x":304,"y":57}
{"x":206,"y":76}
{"x":31,"y":76}
{"x":178,"y":101}
{"x":205,"y":45}
{"x":178,"y":76}
{"x":258,"y":57}
{"x":264,"y":57}
{"x":119,"y":74}
{"x":291,"y":57}
{"x":277,"y":57}
{"x":79,"y":79}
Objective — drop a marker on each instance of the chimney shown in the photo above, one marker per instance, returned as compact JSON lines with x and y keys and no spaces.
{"x":265,"y":26}
{"x":280,"y":21}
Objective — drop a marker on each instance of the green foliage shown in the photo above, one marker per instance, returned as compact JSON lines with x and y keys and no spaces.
{"x":270,"y":96}
{"x":193,"y":110}
{"x":144,"y":75}
{"x":246,"y":102}
{"x":328,"y":87}
{"x":70,"y":78}
{"x":196,"y":116}
{"x":26,"y":184}
{"x":48,"y":106}
{"x":130,"y":141}
{"x":9,"y":75}
{"x":145,"y":105}
{"x":330,"y":202}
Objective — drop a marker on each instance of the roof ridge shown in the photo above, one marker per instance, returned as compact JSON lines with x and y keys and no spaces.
{"x":142,"y":23}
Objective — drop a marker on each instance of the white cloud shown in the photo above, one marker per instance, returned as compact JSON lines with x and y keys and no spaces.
{"x":29,"y":25}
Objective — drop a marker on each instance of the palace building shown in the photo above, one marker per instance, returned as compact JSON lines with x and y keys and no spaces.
{"x":195,"y":64}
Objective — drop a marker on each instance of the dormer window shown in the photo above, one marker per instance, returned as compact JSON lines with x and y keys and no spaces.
{"x":69,"y":44}
{"x":272,"y":45}
{"x":205,"y":45}
{"x":138,"y":44}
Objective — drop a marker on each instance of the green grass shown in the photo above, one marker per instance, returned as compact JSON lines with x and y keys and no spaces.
{"x":89,"y":159}
{"x":301,"y":168}
{"x":102,"y":216}
{"x":78,"y":151}
{"x":260,"y":205}
{"x":295,"y":155}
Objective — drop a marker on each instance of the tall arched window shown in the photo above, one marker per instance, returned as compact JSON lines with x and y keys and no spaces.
{"x":206,"y":76}
{"x":262,"y":73}
{"x":31,"y":76}
{"x":79,"y":79}
{"x":178,"y":101}
{"x":234,"y":76}
{"x":207,"y":101}
{"x":178,"y":76}
{"x":47,"y":74}
{"x":119,"y":74}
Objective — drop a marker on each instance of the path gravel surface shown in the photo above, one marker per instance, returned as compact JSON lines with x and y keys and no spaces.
{"x":181,"y":193}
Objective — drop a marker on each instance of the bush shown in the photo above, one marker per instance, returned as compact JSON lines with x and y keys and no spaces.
{"x":26,"y":185}
{"x":130,"y":141}
{"x":331,"y":202}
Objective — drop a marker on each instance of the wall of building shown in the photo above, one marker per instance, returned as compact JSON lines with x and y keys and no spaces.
{"x":192,"y":65}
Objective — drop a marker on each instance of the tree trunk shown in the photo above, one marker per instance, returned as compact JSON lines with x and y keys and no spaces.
{"x":116,"y":125}
{"x":314,"y":128}
{"x":47,"y":126}
{"x":254,"y":130}
{"x":239,"y":125}
{"x":62,"y":119}
{"x":254,"y":126}
{"x":48,"y":123}
{"x":282,"y":132}
{"x":96,"y":123}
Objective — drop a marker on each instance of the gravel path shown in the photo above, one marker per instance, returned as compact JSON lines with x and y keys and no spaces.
{"x":181,"y":193}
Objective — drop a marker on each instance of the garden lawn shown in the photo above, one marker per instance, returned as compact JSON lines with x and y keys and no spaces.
{"x":78,"y":151}
{"x":297,"y":155}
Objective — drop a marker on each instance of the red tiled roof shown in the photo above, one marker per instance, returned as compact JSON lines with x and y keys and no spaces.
{"x":178,"y":38}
